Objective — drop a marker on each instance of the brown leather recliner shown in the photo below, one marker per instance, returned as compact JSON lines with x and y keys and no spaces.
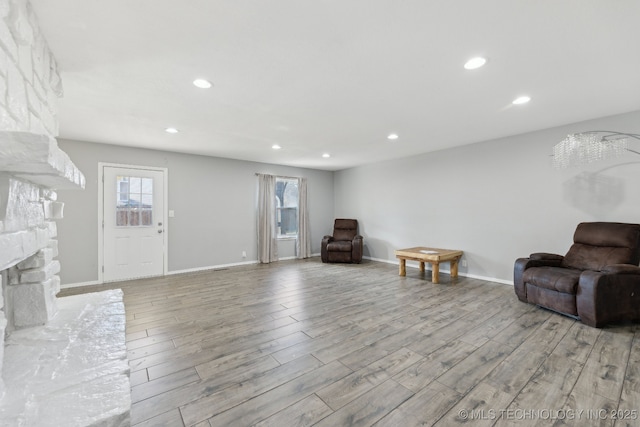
{"x":345,"y":245}
{"x":597,"y":281}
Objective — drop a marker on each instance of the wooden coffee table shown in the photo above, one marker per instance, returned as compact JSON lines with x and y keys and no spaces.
{"x":432,"y":255}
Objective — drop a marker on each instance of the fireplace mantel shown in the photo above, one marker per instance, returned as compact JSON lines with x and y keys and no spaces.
{"x":32,"y":167}
{"x":38,"y":159}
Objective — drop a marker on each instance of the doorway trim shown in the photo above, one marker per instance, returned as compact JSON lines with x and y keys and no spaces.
{"x":100,"y":224}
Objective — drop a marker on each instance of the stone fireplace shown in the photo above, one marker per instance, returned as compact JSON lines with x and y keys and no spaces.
{"x":62,"y":360}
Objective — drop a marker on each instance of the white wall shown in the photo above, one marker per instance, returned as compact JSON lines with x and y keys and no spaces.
{"x":214,"y":200}
{"x":496,"y":200}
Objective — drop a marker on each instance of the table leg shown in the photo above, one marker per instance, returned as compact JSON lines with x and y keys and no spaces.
{"x":435,"y":272}
{"x":454,"y":267}
{"x":422,"y":266}
{"x":403,"y":267}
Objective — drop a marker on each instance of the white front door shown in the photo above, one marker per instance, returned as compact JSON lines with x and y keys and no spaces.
{"x":133,"y":218}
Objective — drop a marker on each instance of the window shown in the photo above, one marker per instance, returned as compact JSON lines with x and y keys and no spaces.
{"x":134,"y":201}
{"x":287,"y":207}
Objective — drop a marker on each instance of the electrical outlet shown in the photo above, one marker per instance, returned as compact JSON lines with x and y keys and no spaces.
{"x":464,"y":263}
{"x":244,"y":254}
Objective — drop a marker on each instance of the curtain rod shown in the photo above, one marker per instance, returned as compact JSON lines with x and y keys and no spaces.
{"x":279,"y":176}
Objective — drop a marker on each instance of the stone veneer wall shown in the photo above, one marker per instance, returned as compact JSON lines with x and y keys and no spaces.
{"x":65,"y":362}
{"x":31,"y":168}
{"x":29,"y":80}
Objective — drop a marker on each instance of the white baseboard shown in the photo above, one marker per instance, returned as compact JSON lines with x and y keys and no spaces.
{"x":411,"y":264}
{"x":80,"y":284}
{"x":210,"y":267}
{"x":294,"y":257}
{"x":169,"y":273}
{"x":415,"y":264}
{"x":174,"y":272}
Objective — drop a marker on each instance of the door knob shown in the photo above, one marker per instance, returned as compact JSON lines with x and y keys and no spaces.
{"x":159,"y":231}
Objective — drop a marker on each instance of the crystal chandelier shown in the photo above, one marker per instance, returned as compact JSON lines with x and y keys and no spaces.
{"x":579,"y":149}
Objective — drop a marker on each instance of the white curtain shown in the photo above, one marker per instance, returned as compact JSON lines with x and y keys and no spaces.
{"x":303,"y":242}
{"x":267,"y":235}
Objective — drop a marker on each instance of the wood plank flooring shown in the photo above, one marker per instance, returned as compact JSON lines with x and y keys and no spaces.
{"x":301,"y":343}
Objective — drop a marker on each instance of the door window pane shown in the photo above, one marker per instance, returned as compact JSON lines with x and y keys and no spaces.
{"x":134,"y":201}
{"x":147,"y":186}
{"x":134,"y":217}
{"x":146,"y":216}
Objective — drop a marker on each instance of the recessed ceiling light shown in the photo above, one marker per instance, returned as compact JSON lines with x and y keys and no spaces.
{"x":202,"y":83}
{"x":474,"y":63}
{"x":521,"y":100}
{"x":171,"y":130}
{"x":392,"y":136}
{"x":326,"y":155}
{"x":276,"y":147}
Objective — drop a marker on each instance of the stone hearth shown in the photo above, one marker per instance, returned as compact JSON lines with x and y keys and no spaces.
{"x":73,"y":371}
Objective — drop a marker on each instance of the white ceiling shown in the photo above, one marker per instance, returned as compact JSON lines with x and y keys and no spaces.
{"x":336,"y":76}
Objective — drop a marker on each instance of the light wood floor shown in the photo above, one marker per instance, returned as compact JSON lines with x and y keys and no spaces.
{"x":299,"y":343}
